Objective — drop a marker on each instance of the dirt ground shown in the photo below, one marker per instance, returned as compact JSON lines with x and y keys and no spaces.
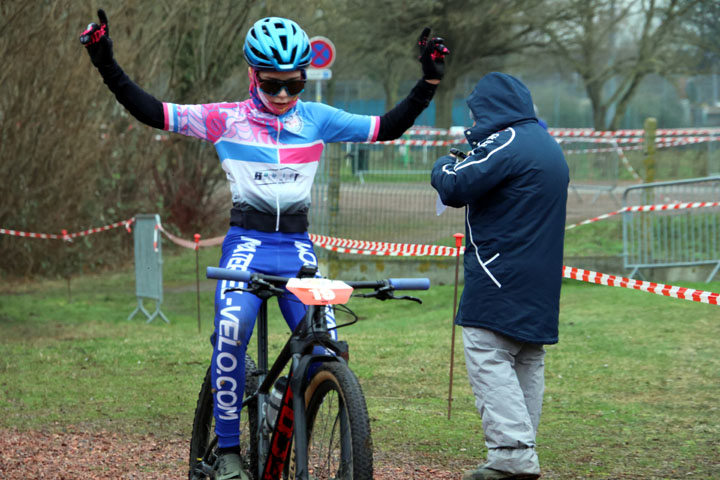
{"x":81,"y":455}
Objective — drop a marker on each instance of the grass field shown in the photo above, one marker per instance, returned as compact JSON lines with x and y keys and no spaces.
{"x":631,"y":389}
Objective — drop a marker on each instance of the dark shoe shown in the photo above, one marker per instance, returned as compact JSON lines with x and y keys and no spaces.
{"x":485,"y":473}
{"x":229,"y":467}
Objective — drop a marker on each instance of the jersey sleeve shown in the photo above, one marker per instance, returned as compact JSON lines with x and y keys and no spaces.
{"x":340,"y":126}
{"x":207,"y":121}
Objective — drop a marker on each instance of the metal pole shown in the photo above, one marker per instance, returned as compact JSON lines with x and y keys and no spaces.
{"x":318,"y":91}
{"x":68,"y":265}
{"x":458,"y":243}
{"x":197,"y":275}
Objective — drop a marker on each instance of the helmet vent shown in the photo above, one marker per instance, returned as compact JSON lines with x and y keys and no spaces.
{"x":258,"y":53}
{"x":275,"y":53}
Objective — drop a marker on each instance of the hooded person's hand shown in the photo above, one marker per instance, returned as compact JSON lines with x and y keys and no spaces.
{"x":96,"y":39}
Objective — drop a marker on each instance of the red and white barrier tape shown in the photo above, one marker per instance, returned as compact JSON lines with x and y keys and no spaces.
{"x":568,"y":272}
{"x":626,"y":148}
{"x":685,"y":141}
{"x":158,"y":226}
{"x":68,"y":236}
{"x":194,"y":245}
{"x":589,"y":132}
{"x":650,"y":287}
{"x":582,"y":132}
{"x":614,"y":148}
{"x":428,"y":131}
{"x":343,"y":245}
{"x":609,"y":149}
{"x":425,"y":143}
{"x":659,"y":141}
{"x":647,"y":208}
{"x":627,"y":165}
{"x":361,"y":247}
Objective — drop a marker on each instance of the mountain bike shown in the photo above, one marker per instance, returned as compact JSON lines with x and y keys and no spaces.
{"x":320,"y":429}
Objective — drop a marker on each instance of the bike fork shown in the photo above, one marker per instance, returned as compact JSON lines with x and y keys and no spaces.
{"x":301,"y":447}
{"x":290,"y":425}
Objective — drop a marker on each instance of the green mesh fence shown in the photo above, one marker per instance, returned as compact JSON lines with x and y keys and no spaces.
{"x":381,"y":193}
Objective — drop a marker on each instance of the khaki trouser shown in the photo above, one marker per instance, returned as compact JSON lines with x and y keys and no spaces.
{"x":508,"y":379}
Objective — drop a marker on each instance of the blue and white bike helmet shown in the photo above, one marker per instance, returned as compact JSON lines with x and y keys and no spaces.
{"x":279,"y":44}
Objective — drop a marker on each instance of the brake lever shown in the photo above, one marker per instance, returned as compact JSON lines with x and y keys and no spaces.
{"x":382,"y":293}
{"x":261,"y":288}
{"x":386,"y":293}
{"x":227,"y":290}
{"x":408,"y":297}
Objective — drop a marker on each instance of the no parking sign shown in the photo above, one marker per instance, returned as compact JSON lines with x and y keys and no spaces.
{"x":323,"y":52}
{"x":323,"y":56}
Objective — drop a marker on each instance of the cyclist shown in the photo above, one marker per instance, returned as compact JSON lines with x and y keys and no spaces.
{"x":269,"y":146}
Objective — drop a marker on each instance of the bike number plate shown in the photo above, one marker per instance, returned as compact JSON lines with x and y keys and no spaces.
{"x":320,"y":291}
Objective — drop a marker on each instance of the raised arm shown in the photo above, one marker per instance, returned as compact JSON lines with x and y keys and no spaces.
{"x":432,"y":58}
{"x":138,"y":102}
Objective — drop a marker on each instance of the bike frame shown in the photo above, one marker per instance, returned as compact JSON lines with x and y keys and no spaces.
{"x":310,"y":332}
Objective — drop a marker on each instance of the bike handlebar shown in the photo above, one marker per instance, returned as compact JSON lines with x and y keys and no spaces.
{"x":410,"y":283}
{"x":244,"y":276}
{"x":217,"y":273}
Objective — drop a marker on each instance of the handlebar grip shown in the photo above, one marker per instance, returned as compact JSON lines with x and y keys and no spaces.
{"x":410,"y":283}
{"x":228,"y":274}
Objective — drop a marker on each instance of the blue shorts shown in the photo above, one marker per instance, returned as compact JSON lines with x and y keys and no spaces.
{"x":271,"y":253}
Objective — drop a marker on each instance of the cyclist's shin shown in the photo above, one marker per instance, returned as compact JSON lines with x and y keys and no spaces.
{"x":235,"y":314}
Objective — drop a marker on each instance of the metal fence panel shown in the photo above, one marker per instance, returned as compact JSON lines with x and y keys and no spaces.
{"x":672,"y":237}
{"x":594,"y":168}
{"x":148,"y":264}
{"x":381,"y":193}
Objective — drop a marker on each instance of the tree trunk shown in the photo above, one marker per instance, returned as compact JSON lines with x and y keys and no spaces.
{"x":599,"y":109}
{"x":444,"y":103}
{"x":622,"y":105}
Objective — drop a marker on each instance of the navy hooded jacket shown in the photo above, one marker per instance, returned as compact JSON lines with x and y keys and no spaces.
{"x":514,"y":187}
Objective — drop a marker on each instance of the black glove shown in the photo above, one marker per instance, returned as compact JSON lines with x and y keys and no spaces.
{"x":432,"y":55}
{"x":96,"y":39}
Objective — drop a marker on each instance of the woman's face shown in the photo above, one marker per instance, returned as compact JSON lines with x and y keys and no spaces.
{"x":290,"y":84}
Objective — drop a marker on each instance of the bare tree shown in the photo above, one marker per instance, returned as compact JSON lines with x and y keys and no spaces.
{"x":700,"y":33}
{"x":71,"y":155}
{"x":613,"y":45}
{"x":378,"y":38}
{"x":55,"y":158}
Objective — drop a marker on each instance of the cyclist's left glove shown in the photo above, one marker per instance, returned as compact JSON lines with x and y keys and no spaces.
{"x":96,"y":39}
{"x":432,"y":55}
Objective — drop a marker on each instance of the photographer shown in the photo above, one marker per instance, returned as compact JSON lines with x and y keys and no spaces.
{"x":513,"y":185}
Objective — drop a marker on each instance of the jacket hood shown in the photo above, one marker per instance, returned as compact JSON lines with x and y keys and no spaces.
{"x":497,"y":102}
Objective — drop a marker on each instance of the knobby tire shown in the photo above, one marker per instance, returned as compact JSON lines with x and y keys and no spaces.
{"x":339,"y":439}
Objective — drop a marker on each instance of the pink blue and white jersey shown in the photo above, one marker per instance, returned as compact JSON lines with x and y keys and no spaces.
{"x":270,"y":160}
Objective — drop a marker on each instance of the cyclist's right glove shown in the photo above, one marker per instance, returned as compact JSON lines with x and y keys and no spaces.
{"x":96,"y":39}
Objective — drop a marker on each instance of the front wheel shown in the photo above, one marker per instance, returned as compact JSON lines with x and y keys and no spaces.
{"x":338,"y":427}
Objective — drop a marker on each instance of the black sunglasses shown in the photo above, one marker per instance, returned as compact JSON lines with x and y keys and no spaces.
{"x":273,"y":86}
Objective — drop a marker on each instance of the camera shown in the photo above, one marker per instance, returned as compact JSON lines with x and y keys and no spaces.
{"x":457,"y":153}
